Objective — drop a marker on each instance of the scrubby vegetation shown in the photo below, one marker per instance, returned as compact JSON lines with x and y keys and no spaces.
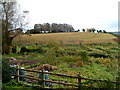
{"x":92,"y":60}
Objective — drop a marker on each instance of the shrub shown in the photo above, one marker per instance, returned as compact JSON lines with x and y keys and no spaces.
{"x":6,"y":73}
{"x":60,"y":52}
{"x":70,"y":59}
{"x":39,"y":49}
{"x":71,"y":51}
{"x":54,"y":45}
{"x":50,"y":56}
{"x":84,"y":56}
{"x":14,"y":50}
{"x":24,"y":49}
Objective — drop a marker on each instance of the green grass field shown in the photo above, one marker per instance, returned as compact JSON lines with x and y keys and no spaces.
{"x":66,"y":38}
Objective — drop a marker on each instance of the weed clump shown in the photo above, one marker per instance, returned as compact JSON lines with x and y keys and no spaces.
{"x":84,"y":56}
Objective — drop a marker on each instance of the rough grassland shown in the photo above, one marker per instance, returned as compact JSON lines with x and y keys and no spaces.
{"x":66,"y":38}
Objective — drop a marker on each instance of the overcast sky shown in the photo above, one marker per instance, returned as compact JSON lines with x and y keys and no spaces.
{"x":98,"y":14}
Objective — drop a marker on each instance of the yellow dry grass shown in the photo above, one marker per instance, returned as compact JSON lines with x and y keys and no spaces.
{"x":66,"y":38}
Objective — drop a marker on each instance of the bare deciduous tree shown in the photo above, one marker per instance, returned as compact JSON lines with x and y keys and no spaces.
{"x":11,"y":21}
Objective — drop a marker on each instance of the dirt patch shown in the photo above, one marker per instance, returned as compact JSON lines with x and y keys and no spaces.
{"x":25,"y":62}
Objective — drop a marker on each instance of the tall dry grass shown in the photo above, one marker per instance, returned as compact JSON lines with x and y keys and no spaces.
{"x":66,"y":38}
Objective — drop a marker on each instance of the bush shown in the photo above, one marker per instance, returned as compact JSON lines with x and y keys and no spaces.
{"x":54,"y":45}
{"x":84,"y":56}
{"x":71,"y":51}
{"x":60,"y":52}
{"x":6,"y":73}
{"x":70,"y":59}
{"x":14,"y":50}
{"x":50,"y":56}
{"x":24,"y":49}
{"x":39,"y":49}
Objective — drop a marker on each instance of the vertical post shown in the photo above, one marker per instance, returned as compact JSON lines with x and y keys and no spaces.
{"x":43,"y":79}
{"x":17,"y":73}
{"x":79,"y":81}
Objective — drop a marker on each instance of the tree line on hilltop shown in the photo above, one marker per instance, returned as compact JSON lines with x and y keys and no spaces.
{"x":55,"y":28}
{"x":50,"y":28}
{"x":93,"y":30}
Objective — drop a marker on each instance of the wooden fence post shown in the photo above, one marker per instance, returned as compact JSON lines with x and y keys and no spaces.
{"x":79,"y":81}
{"x":43,"y":84}
{"x":17,"y":73}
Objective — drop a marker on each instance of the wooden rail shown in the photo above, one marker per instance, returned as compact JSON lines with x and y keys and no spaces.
{"x":47,"y":80}
{"x":46,"y":72}
{"x":64,"y":75}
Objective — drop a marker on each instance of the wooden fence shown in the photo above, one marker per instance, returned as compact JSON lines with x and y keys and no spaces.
{"x":79,"y":78}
